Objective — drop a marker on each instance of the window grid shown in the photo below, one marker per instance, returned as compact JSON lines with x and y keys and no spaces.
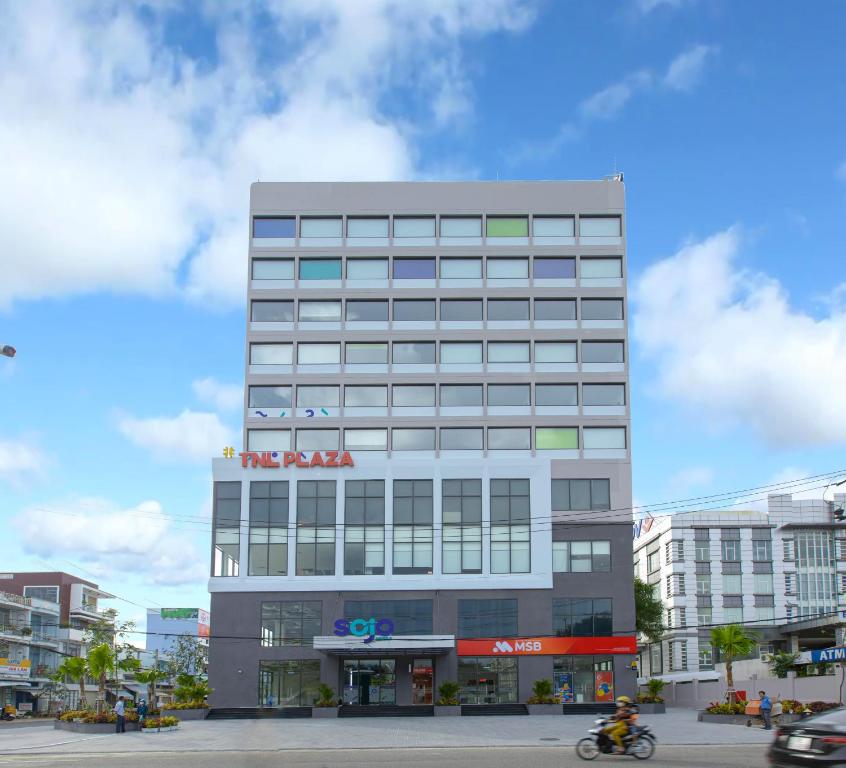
{"x":413,"y":530}
{"x":315,"y":528}
{"x":364,"y":529}
{"x":510,"y":526}
{"x":268,"y":549}
{"x":462,"y":526}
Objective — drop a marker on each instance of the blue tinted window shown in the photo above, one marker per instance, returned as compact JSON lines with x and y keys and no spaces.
{"x":274,"y":227}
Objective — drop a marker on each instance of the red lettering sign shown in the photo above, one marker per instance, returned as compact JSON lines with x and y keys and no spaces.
{"x":547,"y":646}
{"x":270,"y":459}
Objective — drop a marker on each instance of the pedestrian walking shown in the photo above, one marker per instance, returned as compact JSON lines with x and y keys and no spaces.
{"x":120,"y":711}
{"x":766,"y":710}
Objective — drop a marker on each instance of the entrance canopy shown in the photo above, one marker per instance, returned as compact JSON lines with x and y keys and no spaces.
{"x":397,"y":645}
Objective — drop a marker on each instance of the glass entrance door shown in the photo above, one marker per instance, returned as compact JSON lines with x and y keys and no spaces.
{"x":421,"y":681}
{"x":369,"y":681}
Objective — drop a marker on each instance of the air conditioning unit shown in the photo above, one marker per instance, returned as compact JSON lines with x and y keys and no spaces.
{"x":766,"y":657}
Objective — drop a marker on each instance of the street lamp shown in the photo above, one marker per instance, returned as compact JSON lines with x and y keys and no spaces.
{"x":8,"y":351}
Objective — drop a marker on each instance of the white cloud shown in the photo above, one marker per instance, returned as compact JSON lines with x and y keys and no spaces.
{"x":224,"y":397}
{"x":686,"y":69}
{"x":689,"y":478}
{"x":727,"y":343}
{"x":647,"y":6}
{"x":608,"y":102}
{"x":19,"y":460}
{"x":190,"y":436}
{"x":112,"y":542}
{"x":122,"y":153}
{"x":841,"y":171}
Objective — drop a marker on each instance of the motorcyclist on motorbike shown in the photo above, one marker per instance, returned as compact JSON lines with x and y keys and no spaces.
{"x":621,"y":722}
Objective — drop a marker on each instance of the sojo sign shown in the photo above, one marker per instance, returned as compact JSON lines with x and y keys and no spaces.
{"x":547,"y":646}
{"x":275,"y":459}
{"x":369,"y":629}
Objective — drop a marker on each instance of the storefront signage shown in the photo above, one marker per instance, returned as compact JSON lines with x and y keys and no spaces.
{"x":547,"y":646}
{"x":12,"y":668}
{"x":180,"y":613}
{"x":369,"y":629}
{"x":276,"y":459}
{"x":829,"y":654}
{"x":604,"y":686}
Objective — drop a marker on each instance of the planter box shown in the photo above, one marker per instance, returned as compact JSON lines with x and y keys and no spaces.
{"x":186,"y":714}
{"x":324,"y":712}
{"x":91,"y":727}
{"x":652,"y":708}
{"x":160,"y":730}
{"x":447,"y":710}
{"x":545,"y":709}
{"x":705,"y":717}
{"x":787,"y":718}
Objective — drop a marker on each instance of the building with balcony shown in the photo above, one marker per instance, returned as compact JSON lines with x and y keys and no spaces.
{"x":435,"y":481}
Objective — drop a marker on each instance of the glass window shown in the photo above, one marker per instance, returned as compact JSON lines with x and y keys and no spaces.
{"x":367,"y":269}
{"x":593,"y":268}
{"x":413,"y":511}
{"x":454,"y":395}
{"x":274,"y":226}
{"x":268,"y":439}
{"x":487,"y":679}
{"x":365,"y":397}
{"x":294,"y":622}
{"x":510,"y":526}
{"x":508,"y":226}
{"x":294,"y":683}
{"x":273,"y":269}
{"x":762,"y":550}
{"x":414,"y":269}
{"x":270,"y":397}
{"x":509,"y":438}
{"x":417,"y":395}
{"x":317,"y":439}
{"x":320,"y":269}
{"x":410,"y":617}
{"x":731,"y":550}
{"x":599,"y":438}
{"x":557,"y":268}
{"x":367,"y":353}
{"x":315,"y":526}
{"x":555,"y":351}
{"x":703,"y":584}
{"x":423,"y":226}
{"x":602,"y":351}
{"x":272,"y":311}
{"x":365,"y":439}
{"x":365,"y":502}
{"x":508,"y":269}
{"x":227,"y":528}
{"x":367,"y":310}
{"x":599,"y":226}
{"x":317,"y":396}
{"x":732,"y":584}
{"x":487,"y":618}
{"x":581,"y":556}
{"x":413,"y":352}
{"x":582,"y":617}
{"x":578,"y":494}
{"x":508,"y":309}
{"x":461,"y":269}
{"x":271,"y":354}
{"x":555,"y":309}
{"x":367,"y":227}
{"x":763,"y":584}
{"x":413,"y":439}
{"x":414,"y":309}
{"x":508,"y":394}
{"x":553,"y":226}
{"x":462,"y":526}
{"x":602,"y":309}
{"x":319,"y":311}
{"x":461,"y":309}
{"x":603,"y":394}
{"x":556,"y":394}
{"x":268,"y":547}
{"x":508,"y":351}
{"x":318,"y":354}
{"x":315,"y":227}
{"x":733,"y":615}
{"x":556,"y":438}
{"x":462,"y":439}
{"x":461,"y":226}
{"x":468,"y":352}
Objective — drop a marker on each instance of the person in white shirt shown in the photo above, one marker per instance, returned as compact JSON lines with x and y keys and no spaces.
{"x":120,"y":711}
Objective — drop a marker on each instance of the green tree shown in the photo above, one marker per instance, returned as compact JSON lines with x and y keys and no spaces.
{"x":75,"y":668}
{"x":190,"y":688}
{"x":150,"y":678}
{"x":188,"y":656}
{"x":648,"y":612}
{"x":101,"y":661}
{"x":781,"y":662}
{"x":732,"y":641}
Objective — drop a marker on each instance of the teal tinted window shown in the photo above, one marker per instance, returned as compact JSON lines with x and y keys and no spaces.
{"x":320,"y":269}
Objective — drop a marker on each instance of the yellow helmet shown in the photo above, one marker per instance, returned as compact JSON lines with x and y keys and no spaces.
{"x":624,"y":700}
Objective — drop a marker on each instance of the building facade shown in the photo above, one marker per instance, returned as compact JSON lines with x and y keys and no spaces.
{"x":435,"y":481}
{"x":781,"y":572}
{"x":164,"y":626}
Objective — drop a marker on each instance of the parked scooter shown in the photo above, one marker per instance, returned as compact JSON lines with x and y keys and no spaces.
{"x":639,"y":742}
{"x":8,"y":713}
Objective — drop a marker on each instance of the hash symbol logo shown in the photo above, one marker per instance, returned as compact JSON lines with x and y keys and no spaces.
{"x":228,"y":452}
{"x":502,"y":646}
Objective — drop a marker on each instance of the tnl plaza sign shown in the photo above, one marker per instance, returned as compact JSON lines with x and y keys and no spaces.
{"x":276,"y":459}
{"x":547,"y":646}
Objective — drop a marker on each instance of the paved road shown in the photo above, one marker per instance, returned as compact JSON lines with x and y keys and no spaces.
{"x":745,"y":756}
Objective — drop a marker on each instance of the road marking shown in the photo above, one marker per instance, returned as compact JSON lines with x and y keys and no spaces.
{"x":9,"y":750}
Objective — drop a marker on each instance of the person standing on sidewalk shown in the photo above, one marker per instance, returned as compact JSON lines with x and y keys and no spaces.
{"x":120,"y":711}
{"x":766,"y":710}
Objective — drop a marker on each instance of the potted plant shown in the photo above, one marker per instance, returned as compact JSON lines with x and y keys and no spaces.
{"x":651,"y":702}
{"x":448,"y":704}
{"x":542,"y":701}
{"x":325,"y":704}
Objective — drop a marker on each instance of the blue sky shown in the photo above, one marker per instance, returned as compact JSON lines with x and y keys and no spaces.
{"x":130,"y":135}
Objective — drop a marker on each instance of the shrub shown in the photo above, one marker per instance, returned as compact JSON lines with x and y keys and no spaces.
{"x":187,"y":705}
{"x":73,"y":714}
{"x":724,"y":708}
{"x":325,"y":696}
{"x":542,"y":693}
{"x":821,"y":706}
{"x":161,"y":722}
{"x":448,"y":694}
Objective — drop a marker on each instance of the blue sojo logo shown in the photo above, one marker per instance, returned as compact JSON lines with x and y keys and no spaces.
{"x":369,"y":629}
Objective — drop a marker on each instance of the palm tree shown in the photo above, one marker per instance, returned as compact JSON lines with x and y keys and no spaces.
{"x":150,"y":677}
{"x":732,"y":641}
{"x":75,"y":668}
{"x":101,"y":660}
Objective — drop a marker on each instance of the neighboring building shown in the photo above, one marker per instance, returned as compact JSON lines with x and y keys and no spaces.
{"x":781,"y":572}
{"x":435,"y":373}
{"x":164,"y":626}
{"x":42,"y":620}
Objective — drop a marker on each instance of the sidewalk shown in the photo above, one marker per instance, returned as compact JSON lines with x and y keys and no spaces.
{"x":676,"y":727}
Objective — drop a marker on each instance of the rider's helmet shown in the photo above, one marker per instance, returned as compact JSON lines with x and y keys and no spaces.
{"x":624,"y":700}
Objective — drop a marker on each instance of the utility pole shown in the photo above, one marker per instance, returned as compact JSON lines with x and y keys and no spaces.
{"x":155,"y":695}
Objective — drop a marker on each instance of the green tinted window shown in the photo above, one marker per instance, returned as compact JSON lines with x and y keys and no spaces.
{"x":556,"y":438}
{"x":508,"y":227}
{"x":320,"y":269}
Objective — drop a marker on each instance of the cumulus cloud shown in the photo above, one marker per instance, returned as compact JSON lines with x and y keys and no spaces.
{"x":224,"y":397}
{"x":113,"y":542}
{"x":20,"y":459}
{"x":686,"y":69}
{"x":146,"y":150}
{"x":190,"y":436}
{"x":727,"y":343}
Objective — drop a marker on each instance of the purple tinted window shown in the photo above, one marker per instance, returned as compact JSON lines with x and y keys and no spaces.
{"x":555,"y":268}
{"x":274,"y":227}
{"x":414,"y":269}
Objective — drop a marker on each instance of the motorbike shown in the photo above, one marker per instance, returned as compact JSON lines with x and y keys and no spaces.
{"x":7,"y":713}
{"x":639,"y":742}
